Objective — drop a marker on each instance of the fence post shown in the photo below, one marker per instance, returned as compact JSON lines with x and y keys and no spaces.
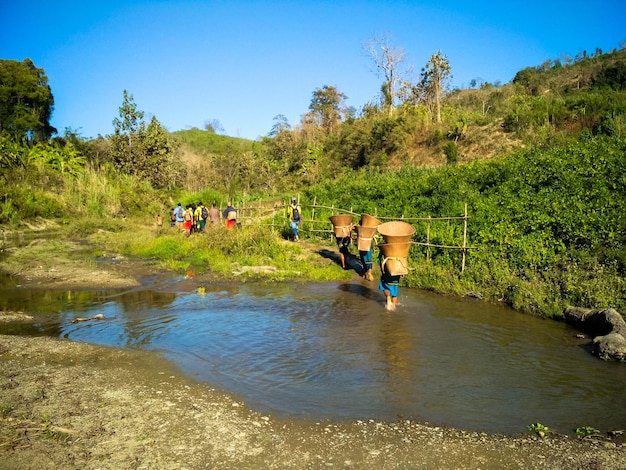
{"x":332,"y":212}
{"x":313,"y":213}
{"x":428,"y":239}
{"x":464,"y":238}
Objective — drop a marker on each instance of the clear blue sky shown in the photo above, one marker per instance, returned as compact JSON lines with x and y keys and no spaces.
{"x":245,"y":62}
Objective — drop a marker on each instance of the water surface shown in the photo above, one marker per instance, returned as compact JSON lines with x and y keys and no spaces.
{"x":331,"y":351}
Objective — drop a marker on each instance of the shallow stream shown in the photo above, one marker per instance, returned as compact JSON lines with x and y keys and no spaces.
{"x":331,"y":351}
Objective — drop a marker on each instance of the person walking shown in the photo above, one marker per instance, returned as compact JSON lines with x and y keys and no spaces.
{"x":180,"y":217}
{"x":294,"y":212}
{"x":188,"y":219}
{"x":367,"y":261}
{"x":230,"y":215}
{"x":214,"y":215}
{"x":172,"y":217}
{"x":204,"y":215}
{"x":343,"y":244}
{"x":389,"y":285}
{"x":197,"y":217}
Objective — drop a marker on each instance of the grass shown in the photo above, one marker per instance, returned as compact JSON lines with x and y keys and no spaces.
{"x":220,"y":252}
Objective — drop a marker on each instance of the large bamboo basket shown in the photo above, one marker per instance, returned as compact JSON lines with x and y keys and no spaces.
{"x":369,"y":221}
{"x":395,"y":250}
{"x":396,"y":266}
{"x":395,"y":256}
{"x":396,"y":232}
{"x":364,"y":237}
{"x":342,"y":224}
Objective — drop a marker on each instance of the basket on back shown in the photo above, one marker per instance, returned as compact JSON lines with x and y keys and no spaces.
{"x":395,"y":250}
{"x":396,"y":232}
{"x":365,"y":231}
{"x":342,"y":224}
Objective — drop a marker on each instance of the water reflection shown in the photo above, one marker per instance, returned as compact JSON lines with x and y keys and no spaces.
{"x":332,"y":351}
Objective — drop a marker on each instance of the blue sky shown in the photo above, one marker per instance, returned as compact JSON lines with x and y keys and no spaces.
{"x":245,"y":62}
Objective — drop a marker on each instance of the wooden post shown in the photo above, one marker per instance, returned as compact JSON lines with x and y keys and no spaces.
{"x":464,"y":238}
{"x":332,"y":212}
{"x":428,"y":238}
{"x":313,"y":214}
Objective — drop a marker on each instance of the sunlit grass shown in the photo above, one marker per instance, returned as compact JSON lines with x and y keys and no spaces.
{"x":248,"y":252}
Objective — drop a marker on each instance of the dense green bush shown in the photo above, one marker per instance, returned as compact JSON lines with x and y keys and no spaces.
{"x":548,"y":223}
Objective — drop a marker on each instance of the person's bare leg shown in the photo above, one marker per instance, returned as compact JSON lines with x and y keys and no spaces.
{"x":388,"y":302}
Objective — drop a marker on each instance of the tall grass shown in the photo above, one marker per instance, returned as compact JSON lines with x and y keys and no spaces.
{"x":248,"y":252}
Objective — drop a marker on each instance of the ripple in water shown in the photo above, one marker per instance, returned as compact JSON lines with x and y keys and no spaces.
{"x":332,"y":351}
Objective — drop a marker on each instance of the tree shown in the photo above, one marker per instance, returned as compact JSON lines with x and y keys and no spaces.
{"x":434,"y":78}
{"x":26,"y":102}
{"x":613,"y":77}
{"x":213,"y":126}
{"x":145,"y":152}
{"x":388,"y":61}
{"x":327,"y":105}
{"x":281,"y":123}
{"x":158,"y":152}
{"x":127,"y":128}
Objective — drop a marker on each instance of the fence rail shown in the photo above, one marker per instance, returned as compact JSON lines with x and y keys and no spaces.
{"x":260,"y":214}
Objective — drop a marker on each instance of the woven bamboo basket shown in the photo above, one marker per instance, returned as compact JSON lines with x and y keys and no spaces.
{"x":369,"y":221}
{"x":364,"y":237}
{"x":395,"y":258}
{"x":396,"y":266}
{"x":395,"y":250}
{"x":342,"y":224}
{"x":396,"y":232}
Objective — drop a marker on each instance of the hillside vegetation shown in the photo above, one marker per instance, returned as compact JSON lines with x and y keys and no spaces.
{"x":540,"y":163}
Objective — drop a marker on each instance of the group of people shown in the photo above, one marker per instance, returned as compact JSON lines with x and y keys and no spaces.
{"x":194,"y":217}
{"x":389,"y":284}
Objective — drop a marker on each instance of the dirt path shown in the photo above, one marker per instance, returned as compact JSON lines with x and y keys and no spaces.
{"x":67,"y":405}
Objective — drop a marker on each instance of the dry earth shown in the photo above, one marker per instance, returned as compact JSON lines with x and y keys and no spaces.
{"x":66,"y":405}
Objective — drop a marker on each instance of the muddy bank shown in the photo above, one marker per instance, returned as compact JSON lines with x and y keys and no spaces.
{"x":72,"y":405}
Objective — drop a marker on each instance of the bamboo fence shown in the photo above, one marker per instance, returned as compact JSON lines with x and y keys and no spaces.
{"x":259,"y":213}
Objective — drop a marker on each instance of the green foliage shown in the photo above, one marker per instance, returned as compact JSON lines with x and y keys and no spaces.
{"x":586,"y":431}
{"x":548,"y":223}
{"x":452,"y":152}
{"x":143,"y":151}
{"x":229,"y":252}
{"x":539,"y":429}
{"x":64,"y":160}
{"x":26,"y":102}
{"x":327,"y":105}
{"x":208,"y":143}
{"x":12,"y":156}
{"x":23,"y":202}
{"x":612,"y":76}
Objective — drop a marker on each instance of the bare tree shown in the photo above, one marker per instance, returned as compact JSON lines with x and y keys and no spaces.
{"x":388,"y":61}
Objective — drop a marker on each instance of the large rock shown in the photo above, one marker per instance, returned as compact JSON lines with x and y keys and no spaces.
{"x":611,"y":346}
{"x":606,"y":326}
